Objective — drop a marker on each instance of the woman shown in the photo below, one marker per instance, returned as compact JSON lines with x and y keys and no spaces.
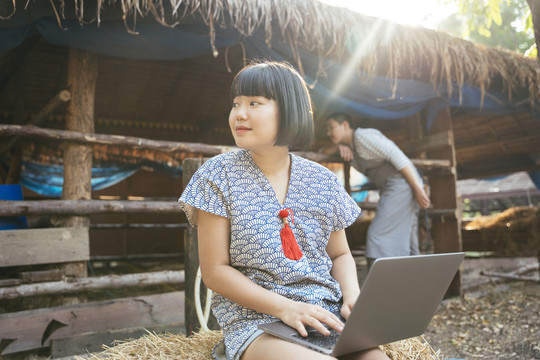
{"x":271,"y":225}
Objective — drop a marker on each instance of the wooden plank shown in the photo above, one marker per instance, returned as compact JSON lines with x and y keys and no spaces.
{"x":35,"y":329}
{"x":94,"y":342}
{"x":43,"y":246}
{"x":431,"y":142}
{"x":41,"y":276}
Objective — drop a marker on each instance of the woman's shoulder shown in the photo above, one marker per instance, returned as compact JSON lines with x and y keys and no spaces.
{"x":225,"y":160}
{"x":311,"y":168}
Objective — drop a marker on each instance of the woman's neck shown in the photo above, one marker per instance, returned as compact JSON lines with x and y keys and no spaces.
{"x":272,"y":162}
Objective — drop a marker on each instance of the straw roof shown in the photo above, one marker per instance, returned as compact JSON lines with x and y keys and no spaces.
{"x":371,"y":45}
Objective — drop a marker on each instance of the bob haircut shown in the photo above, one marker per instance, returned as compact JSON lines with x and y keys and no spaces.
{"x":280,"y":82}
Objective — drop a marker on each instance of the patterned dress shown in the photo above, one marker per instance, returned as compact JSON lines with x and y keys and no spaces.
{"x":231,"y":185}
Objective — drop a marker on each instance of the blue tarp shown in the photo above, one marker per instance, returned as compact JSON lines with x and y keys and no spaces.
{"x":48,"y":180}
{"x":381,"y":98}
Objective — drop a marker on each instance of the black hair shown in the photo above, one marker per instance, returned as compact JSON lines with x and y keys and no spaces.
{"x":280,"y":82}
{"x":340,"y":117}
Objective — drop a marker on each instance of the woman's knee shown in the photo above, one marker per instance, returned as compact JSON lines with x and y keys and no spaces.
{"x":369,"y":354}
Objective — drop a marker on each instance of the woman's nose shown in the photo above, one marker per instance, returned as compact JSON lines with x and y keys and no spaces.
{"x":241,"y":113}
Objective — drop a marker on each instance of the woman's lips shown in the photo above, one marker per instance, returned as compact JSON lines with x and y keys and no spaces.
{"x":242,"y":129}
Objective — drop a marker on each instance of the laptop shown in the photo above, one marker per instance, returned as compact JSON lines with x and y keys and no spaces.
{"x":397,"y":301}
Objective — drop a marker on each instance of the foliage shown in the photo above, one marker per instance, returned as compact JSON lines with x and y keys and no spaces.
{"x":504,"y":23}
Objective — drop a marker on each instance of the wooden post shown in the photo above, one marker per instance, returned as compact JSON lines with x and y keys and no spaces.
{"x":347,"y":176}
{"x":81,"y":78}
{"x":191,"y":261}
{"x":446,"y":231}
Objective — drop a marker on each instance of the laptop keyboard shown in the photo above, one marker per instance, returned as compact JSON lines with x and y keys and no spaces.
{"x":316,"y":338}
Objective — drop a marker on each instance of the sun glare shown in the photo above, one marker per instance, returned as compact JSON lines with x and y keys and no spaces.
{"x":425,"y":13}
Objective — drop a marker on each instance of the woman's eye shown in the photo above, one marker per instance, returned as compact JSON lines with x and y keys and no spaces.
{"x":234,"y":105}
{"x":254,"y":103}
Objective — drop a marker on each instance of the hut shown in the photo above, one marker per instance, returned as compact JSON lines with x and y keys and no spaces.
{"x":124,"y":92}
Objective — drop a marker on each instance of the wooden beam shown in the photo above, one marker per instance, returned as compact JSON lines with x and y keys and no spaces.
{"x":93,"y":283}
{"x":91,"y":207}
{"x":446,"y":231}
{"x":86,"y":207}
{"x":115,"y":140}
{"x":34,"y":329}
{"x":191,"y":262}
{"x":82,"y":74}
{"x":43,"y":246}
{"x":61,"y":98}
{"x":171,"y":146}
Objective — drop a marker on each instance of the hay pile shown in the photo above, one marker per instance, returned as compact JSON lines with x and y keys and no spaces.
{"x":514,"y":232}
{"x":200,"y":345}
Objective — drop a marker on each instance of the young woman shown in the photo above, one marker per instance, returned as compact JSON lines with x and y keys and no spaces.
{"x":394,"y":229}
{"x":271,"y":224}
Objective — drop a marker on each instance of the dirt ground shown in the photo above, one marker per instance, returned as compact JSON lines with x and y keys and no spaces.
{"x":495,"y":319}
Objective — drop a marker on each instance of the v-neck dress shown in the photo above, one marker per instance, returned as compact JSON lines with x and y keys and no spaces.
{"x":232,"y":185}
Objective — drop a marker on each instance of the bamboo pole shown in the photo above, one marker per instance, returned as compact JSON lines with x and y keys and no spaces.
{"x":93,"y":283}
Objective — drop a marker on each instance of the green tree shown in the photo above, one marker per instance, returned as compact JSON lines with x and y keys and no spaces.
{"x":503,"y":23}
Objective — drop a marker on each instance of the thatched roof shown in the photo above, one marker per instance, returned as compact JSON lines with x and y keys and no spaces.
{"x":374,"y":46}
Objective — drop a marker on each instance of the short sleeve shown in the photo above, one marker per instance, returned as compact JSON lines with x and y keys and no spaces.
{"x":207,"y":190}
{"x":346,"y":210}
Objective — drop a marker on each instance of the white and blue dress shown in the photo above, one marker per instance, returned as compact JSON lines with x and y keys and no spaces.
{"x":232,"y":185}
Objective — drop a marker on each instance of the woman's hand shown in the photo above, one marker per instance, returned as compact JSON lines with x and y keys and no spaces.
{"x":345,"y":152}
{"x":297,"y":315}
{"x":348,"y":304}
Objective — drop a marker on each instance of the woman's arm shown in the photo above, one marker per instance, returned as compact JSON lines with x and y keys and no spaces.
{"x":343,"y":270}
{"x":214,"y":237}
{"x":418,"y":190}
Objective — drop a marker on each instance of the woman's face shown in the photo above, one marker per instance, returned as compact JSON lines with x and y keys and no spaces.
{"x":254,"y":122}
{"x":335,"y":131}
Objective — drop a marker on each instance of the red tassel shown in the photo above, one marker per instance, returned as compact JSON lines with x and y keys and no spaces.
{"x":288,"y":242}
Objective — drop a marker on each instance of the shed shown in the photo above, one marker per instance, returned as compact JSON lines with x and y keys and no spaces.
{"x":147,"y":85}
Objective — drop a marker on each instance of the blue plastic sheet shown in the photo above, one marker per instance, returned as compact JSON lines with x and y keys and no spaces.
{"x":48,"y":180}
